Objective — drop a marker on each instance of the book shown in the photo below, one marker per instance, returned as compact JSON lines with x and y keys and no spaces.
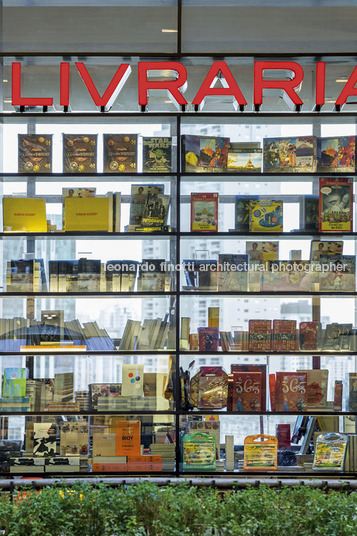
{"x":339,"y":273}
{"x":88,"y":214}
{"x":120,"y":153}
{"x":309,"y":213}
{"x":337,"y":337}
{"x":132,"y":380}
{"x":249,"y":367}
{"x":198,"y":452}
{"x":290,"y":155}
{"x":242,"y":212}
{"x":317,"y":383}
{"x":336,"y":155}
{"x":44,"y":442}
{"x":212,"y":392}
{"x":309,"y":335}
{"x":247,"y":391}
{"x":208,"y":339}
{"x":138,"y":200}
{"x":283,"y":436}
{"x":291,"y":391}
{"x":323,"y":247}
{"x":330,"y":452}
{"x":204,"y":212}
{"x":260,"y":453}
{"x":157,"y":156}
{"x":204,"y":154}
{"x":79,"y":153}
{"x":216,"y":373}
{"x":260,"y":336}
{"x":352,"y":391}
{"x":245,"y":157}
{"x":201,"y":274}
{"x":35,"y":153}
{"x":213,"y":317}
{"x":24,"y":214}
{"x":266,"y":216}
{"x":291,"y":276}
{"x":155,"y":210}
{"x":14,"y":382}
{"x":128,"y":438}
{"x":336,"y":203}
{"x":24,"y":275}
{"x":121,"y":275}
{"x":338,"y":395}
{"x":233,"y":272}
{"x":284,"y":336}
{"x":262,"y":252}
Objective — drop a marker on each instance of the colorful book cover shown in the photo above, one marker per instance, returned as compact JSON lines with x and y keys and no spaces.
{"x":204,"y":154}
{"x":208,"y":339}
{"x":204,"y":212}
{"x":44,"y":441}
{"x":88,"y":214}
{"x":245,"y":157}
{"x":128,"y":438}
{"x":291,"y":391}
{"x":309,"y":213}
{"x":291,"y":276}
{"x":262,"y":369}
{"x":284,"y":336}
{"x":247,"y":391}
{"x":289,"y":155}
{"x":120,"y":153}
{"x":198,"y":452}
{"x":309,"y":333}
{"x":24,"y":214}
{"x":317,"y":383}
{"x":35,"y":153}
{"x":330,"y":452}
{"x":75,"y":192}
{"x":157,"y":157}
{"x":319,"y":247}
{"x":336,"y":202}
{"x":332,"y":337}
{"x":233,"y":273}
{"x":242,"y":212}
{"x":339,"y":273}
{"x":213,"y":372}
{"x":260,"y":453}
{"x":138,"y":200}
{"x":79,"y":153}
{"x":14,"y":382}
{"x":156,"y":210}
{"x":260,"y":336}
{"x":336,"y":155}
{"x":212,"y":392}
{"x":262,"y":252}
{"x":133,"y":380}
{"x":266,"y":216}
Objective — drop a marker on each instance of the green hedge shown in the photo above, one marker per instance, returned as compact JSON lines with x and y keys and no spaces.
{"x":144,"y":509}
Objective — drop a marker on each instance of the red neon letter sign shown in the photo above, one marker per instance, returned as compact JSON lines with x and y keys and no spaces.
{"x":320,"y":83}
{"x":230,"y":86}
{"x":112,"y":91}
{"x":348,"y":90}
{"x":172,"y":86}
{"x":64,"y":90}
{"x":287,"y":85}
{"x":17,"y":100}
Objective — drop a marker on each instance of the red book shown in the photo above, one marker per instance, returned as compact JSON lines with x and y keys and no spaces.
{"x":208,"y":339}
{"x":291,"y":391}
{"x":309,"y":335}
{"x":337,"y":402}
{"x":283,"y":435}
{"x":204,"y":212}
{"x":253,"y":368}
{"x":247,"y":391}
{"x":336,"y":204}
{"x":284,"y":336}
{"x":260,"y":336}
{"x":272,"y":390}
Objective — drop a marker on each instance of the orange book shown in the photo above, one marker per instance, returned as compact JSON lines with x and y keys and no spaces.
{"x":149,"y":458}
{"x":128,"y":438}
{"x":144,"y":467}
{"x":109,"y":467}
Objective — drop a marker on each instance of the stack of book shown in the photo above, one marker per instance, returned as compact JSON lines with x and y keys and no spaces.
{"x":167,"y":453}
{"x":149,"y":335}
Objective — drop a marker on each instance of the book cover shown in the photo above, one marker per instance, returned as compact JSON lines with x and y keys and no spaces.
{"x":89,"y":271}
{"x":245,"y":157}
{"x":333,"y":337}
{"x":88,"y":214}
{"x":262,"y":369}
{"x":260,"y":336}
{"x":204,"y":154}
{"x":157,"y":157}
{"x":128,"y":438}
{"x":266,"y":216}
{"x":262,"y":252}
{"x":323,"y":247}
{"x":138,"y":199}
{"x":132,"y":380}
{"x":336,"y":155}
{"x":247,"y":391}
{"x":24,"y":214}
{"x":260,"y":453}
{"x":330,"y":452}
{"x":309,"y":213}
{"x":338,"y":395}
{"x":44,"y":442}
{"x":352,"y":392}
{"x":20,"y":275}
{"x":283,"y":436}
{"x":284,"y":336}
{"x":291,"y":391}
{"x":290,"y":276}
{"x":309,"y":335}
{"x":208,"y":339}
{"x":242,"y":212}
{"x":198,"y":452}
{"x":233,"y":272}
{"x":212,"y":392}
{"x":317,"y":383}
{"x":289,"y":155}
{"x":35,"y":153}
{"x":120,"y":153}
{"x":335,"y":206}
{"x":204,"y":212}
{"x":14,"y":382}
{"x":339,"y":273}
{"x":79,"y":153}
{"x":156,"y":210}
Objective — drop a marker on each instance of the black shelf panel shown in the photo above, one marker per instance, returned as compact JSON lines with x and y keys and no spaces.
{"x":267,"y":413}
{"x":154,"y":235}
{"x":118,"y":177}
{"x":266,"y":354}
{"x":84,"y":413}
{"x":13,"y":176}
{"x":265,"y":174}
{"x":291,"y":235}
{"x":271,"y":293}
{"x":85,"y":294}
{"x":102,"y":353}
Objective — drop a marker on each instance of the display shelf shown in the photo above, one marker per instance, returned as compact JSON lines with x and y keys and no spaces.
{"x":86,"y":294}
{"x":301,"y":293}
{"x":86,"y":235}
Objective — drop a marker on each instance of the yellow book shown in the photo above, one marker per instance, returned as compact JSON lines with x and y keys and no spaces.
{"x":23,"y":214}
{"x":88,"y":214}
{"x":213,"y":317}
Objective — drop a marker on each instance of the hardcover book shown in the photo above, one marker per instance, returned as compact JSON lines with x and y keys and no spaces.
{"x":204,"y":154}
{"x":291,"y":391}
{"x":245,"y":157}
{"x":14,"y":382}
{"x":290,"y":155}
{"x":208,"y":339}
{"x":133,"y":380}
{"x":310,"y":333}
{"x":336,"y":155}
{"x":352,"y":391}
{"x":24,"y":214}
{"x":319,"y":247}
{"x":309,"y":213}
{"x":337,"y":337}
{"x":138,"y":200}
{"x":156,"y":210}
{"x":44,"y":442}
{"x":339,"y":273}
{"x":157,"y":156}
{"x":242,"y":212}
{"x":35,"y":153}
{"x":262,"y":252}
{"x":262,"y":369}
{"x":317,"y":383}
{"x":260,"y":336}
{"x":233,"y":273}
{"x":120,"y":153}
{"x":204,"y":212}
{"x":88,"y":214}
{"x":284,"y":336}
{"x":247,"y":391}
{"x":212,"y":392}
{"x":336,"y":202}
{"x":128,"y":438}
{"x":266,"y":216}
{"x":79,"y":153}
{"x":291,"y":276}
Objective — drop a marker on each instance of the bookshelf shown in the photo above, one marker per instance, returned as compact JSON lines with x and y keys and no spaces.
{"x":105,"y":366}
